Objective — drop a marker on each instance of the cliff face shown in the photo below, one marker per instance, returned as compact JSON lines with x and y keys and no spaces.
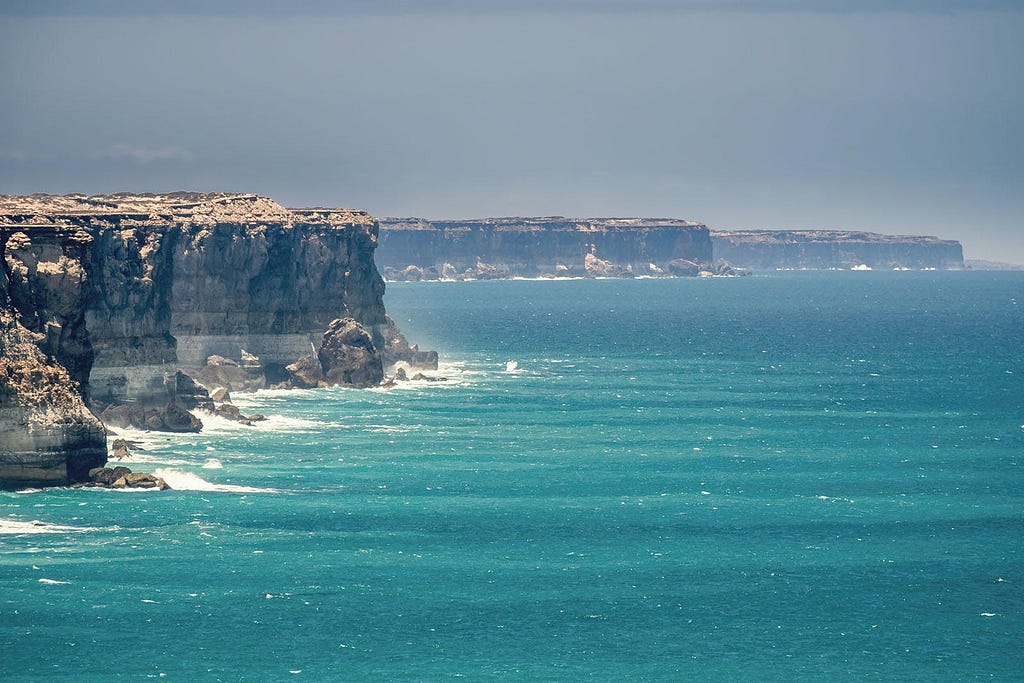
{"x":824,"y":249}
{"x":47,"y":435}
{"x":107,"y":296}
{"x":529,"y":247}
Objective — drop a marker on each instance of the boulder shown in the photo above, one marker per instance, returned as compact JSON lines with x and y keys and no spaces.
{"x":412,"y":274}
{"x":220,"y":395}
{"x":230,"y":375}
{"x":119,"y":472}
{"x":177,"y":419}
{"x":102,"y":475}
{"x":420,"y":377}
{"x":305,"y":373}
{"x":183,"y":390}
{"x":348,"y":355}
{"x":228,"y":411}
{"x":683,"y":268}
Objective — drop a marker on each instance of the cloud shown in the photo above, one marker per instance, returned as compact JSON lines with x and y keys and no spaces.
{"x":146,"y":155}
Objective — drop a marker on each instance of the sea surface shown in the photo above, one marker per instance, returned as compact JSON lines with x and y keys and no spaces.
{"x":789,"y":476}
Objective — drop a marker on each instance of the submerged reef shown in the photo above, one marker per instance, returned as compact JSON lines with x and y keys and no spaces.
{"x":134,"y":307}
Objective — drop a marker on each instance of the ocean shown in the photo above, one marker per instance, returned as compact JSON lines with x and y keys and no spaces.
{"x":788,"y":476}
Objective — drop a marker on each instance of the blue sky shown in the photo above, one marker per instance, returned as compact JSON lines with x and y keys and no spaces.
{"x":900,"y":117}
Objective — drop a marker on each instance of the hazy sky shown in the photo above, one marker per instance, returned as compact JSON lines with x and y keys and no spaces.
{"x":902,"y":116}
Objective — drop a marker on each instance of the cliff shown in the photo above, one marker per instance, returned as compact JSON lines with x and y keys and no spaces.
{"x":824,"y":249}
{"x":104,"y":298}
{"x":414,"y":248}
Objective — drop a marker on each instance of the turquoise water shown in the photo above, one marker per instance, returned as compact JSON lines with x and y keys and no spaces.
{"x":798,"y":476}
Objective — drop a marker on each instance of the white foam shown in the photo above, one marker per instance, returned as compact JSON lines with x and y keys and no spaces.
{"x":10,"y":526}
{"x":215,"y":424}
{"x":187,"y":481}
{"x":213,"y":464}
{"x":53,"y":582}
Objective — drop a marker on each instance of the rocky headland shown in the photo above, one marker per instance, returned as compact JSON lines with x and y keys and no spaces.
{"x":135,"y":308}
{"x":500,"y":248}
{"x":834,"y":249}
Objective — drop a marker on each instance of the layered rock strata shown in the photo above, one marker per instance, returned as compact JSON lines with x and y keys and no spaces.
{"x":414,"y":248}
{"x":105,"y":298}
{"x":834,"y":249}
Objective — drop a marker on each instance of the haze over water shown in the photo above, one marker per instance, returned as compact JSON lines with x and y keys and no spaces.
{"x":794,"y":477}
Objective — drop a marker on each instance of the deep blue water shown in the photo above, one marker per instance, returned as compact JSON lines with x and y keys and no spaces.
{"x":798,"y":476}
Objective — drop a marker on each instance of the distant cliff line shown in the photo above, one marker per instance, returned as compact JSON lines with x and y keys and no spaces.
{"x":834,"y":249}
{"x":487,"y":248}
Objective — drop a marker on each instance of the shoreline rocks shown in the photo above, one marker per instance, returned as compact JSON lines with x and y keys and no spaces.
{"x":120,"y":478}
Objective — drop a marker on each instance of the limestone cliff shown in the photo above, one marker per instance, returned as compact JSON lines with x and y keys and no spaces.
{"x":107,"y":296}
{"x":413,"y":248}
{"x":824,"y":249}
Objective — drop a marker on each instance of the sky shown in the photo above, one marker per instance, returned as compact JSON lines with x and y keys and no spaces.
{"x":903,"y":117}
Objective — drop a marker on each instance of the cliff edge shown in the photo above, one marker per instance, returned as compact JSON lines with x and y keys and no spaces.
{"x":105,"y":299}
{"x":416,"y":249}
{"x":834,"y":249}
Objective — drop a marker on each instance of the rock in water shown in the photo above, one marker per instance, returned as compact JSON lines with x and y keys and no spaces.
{"x":349,"y":356}
{"x":228,"y":374}
{"x":220,"y":395}
{"x":183,"y":390}
{"x":305,"y":373}
{"x":398,"y":350}
{"x":683,"y":267}
{"x":177,"y":419}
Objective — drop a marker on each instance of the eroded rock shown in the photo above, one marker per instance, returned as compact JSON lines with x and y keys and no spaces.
{"x":348,"y":355}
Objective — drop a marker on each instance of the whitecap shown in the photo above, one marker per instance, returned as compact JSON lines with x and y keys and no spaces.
{"x":53,"y":582}
{"x":213,"y":464}
{"x":188,"y":481}
{"x":10,"y":526}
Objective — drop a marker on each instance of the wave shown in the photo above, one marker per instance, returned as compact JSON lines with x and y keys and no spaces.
{"x":53,"y":582}
{"x":10,"y":526}
{"x":215,"y":424}
{"x":187,"y":481}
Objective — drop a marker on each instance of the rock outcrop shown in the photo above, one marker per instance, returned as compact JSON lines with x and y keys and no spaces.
{"x":834,"y":249}
{"x":106,"y":299}
{"x":417,"y":249}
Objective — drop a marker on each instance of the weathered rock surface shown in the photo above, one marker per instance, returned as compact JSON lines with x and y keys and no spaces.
{"x":417,"y":249}
{"x":109,"y":297}
{"x":349,"y":356}
{"x":826,"y":249}
{"x":47,"y":435}
{"x":122,"y":477}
